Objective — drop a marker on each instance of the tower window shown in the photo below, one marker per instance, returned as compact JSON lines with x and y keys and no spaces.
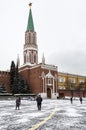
{"x":30,"y":57}
{"x":34,"y":58}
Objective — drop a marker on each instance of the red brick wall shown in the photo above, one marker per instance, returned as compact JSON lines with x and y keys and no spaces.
{"x":5,"y":78}
{"x":35,"y":80}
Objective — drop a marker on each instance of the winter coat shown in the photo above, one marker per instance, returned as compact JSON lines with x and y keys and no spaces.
{"x":17,"y":102}
{"x":39,"y":100}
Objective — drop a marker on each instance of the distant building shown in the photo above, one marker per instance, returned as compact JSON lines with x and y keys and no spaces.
{"x":42,"y":78}
{"x":71,"y":85}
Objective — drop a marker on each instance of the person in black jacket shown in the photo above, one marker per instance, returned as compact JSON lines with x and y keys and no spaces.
{"x":80,"y":100}
{"x":18,"y":101}
{"x":39,"y":101}
{"x":71,"y":99}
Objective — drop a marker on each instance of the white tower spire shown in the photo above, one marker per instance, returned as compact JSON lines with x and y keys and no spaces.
{"x":43,"y":59}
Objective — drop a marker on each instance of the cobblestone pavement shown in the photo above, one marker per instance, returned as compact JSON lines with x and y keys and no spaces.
{"x":66,"y":116}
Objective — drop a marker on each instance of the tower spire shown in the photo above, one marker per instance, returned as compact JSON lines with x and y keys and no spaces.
{"x":18,"y":61}
{"x":30,"y":24}
{"x":30,"y":46}
{"x":43,"y":59}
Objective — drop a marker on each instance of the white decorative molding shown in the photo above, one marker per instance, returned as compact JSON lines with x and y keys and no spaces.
{"x":30,"y":48}
{"x":49,"y":67}
{"x":24,"y":69}
{"x":49,"y":75}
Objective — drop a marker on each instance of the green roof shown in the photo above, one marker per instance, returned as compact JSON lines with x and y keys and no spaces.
{"x":30,"y":25}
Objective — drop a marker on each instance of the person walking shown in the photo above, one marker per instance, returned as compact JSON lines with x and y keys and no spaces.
{"x":18,"y":103}
{"x":20,"y":100}
{"x":39,"y":101}
{"x":71,"y":99}
{"x":80,"y":100}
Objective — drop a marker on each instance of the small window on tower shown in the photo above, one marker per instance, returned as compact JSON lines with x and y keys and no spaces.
{"x":34,"y":58}
{"x":30,"y":57}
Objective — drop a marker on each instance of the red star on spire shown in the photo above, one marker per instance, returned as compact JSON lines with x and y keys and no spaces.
{"x":30,"y":4}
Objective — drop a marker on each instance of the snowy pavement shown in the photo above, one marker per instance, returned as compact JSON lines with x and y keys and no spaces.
{"x":55,"y":115}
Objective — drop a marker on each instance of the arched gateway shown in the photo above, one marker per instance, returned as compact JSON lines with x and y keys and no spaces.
{"x":48,"y":93}
{"x":49,"y":82}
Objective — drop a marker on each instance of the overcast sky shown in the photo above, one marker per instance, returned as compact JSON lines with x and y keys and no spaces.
{"x":60,"y":27}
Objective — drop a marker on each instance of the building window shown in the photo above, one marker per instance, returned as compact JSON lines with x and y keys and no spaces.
{"x":50,"y":81}
{"x":30,"y":57}
{"x":72,"y":80}
{"x":81,"y":80}
{"x":34,"y":58}
{"x":61,"y":79}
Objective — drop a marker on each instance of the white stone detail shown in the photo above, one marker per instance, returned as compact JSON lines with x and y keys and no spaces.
{"x":49,"y":75}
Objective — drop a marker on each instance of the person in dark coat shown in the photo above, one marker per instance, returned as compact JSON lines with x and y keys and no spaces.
{"x":39,"y":101}
{"x":18,"y":101}
{"x":71,"y":99}
{"x":80,"y":100}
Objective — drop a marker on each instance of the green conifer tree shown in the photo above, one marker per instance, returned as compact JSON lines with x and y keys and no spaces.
{"x":12,"y":75}
{"x":18,"y":83}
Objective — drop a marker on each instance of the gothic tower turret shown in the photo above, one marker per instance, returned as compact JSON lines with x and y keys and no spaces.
{"x":43,"y":59}
{"x":30,"y":46}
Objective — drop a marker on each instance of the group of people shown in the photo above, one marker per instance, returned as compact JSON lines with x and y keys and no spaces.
{"x":71,"y":99}
{"x":38,"y":99}
{"x":39,"y":102}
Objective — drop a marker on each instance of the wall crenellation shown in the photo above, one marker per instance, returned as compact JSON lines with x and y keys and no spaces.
{"x":4,"y":73}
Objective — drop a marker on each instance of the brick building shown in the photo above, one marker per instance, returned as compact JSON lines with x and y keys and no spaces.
{"x":71,"y":85}
{"x":41,"y":77}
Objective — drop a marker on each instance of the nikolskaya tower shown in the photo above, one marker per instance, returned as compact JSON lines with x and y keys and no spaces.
{"x":30,"y":50}
{"x":41,"y":77}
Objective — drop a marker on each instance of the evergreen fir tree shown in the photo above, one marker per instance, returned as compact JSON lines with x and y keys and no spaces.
{"x":27,"y":88}
{"x":18,"y":83}
{"x":21,"y":88}
{"x":12,"y":75}
{"x":15,"y":86}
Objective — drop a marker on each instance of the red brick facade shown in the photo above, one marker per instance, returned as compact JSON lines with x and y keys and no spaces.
{"x":39,"y":83}
{"x":5,"y":79}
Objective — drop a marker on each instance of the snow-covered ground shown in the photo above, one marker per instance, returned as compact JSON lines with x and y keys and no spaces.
{"x":56,"y":114}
